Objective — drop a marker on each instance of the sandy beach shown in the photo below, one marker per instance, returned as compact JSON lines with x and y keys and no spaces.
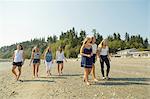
{"x":129,"y":80}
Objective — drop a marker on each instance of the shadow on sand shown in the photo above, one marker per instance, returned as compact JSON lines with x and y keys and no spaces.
{"x":38,"y":80}
{"x":125,"y":81}
{"x":54,"y":77}
{"x":130,"y":79}
{"x":72,"y":75}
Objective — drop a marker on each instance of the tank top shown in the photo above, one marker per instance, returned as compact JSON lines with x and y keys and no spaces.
{"x":18,"y":56}
{"x":36,"y":55}
{"x":104,"y":51}
{"x":48,"y":57}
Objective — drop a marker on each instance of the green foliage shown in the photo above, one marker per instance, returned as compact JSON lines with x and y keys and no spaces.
{"x":71,"y":41}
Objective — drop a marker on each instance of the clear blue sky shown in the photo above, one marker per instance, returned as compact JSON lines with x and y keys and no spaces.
{"x":21,"y":20}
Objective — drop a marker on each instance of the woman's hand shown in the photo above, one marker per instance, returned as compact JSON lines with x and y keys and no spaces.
{"x":89,"y":55}
{"x":109,"y":59}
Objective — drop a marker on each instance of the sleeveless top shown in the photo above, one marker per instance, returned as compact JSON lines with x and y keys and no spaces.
{"x":87,"y":50}
{"x":104,"y":51}
{"x":48,"y":57}
{"x":36,"y":55}
{"x":18,"y":56}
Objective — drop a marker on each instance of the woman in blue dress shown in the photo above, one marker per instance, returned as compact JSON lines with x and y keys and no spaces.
{"x":86,"y":61}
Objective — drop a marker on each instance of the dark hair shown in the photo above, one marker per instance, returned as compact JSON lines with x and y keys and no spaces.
{"x":21,"y":47}
{"x":60,"y":48}
{"x":93,"y":38}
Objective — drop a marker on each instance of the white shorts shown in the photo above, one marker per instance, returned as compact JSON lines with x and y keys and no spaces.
{"x":48,"y":65}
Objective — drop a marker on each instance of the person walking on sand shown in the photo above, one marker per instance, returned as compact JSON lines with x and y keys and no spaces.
{"x":94,"y":51}
{"x":48,"y":60}
{"x":18,"y":61}
{"x":35,"y":59}
{"x":86,"y":60}
{"x":59,"y":60}
{"x":104,"y":57}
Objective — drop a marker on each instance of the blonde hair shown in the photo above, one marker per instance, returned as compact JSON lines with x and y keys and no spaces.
{"x":84,"y":42}
{"x":102,"y":42}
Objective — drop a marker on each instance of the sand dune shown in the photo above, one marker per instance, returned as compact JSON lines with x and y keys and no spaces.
{"x":129,"y":80}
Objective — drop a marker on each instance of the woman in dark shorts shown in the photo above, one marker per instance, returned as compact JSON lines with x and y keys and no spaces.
{"x":18,"y":60}
{"x":59,"y":60}
{"x":35,"y":59}
{"x":86,"y":60}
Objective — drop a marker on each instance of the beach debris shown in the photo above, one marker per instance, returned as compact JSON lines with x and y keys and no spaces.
{"x":13,"y":93}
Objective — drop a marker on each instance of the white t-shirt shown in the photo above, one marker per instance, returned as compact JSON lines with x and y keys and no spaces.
{"x":104,"y":51}
{"x":60,"y":56}
{"x":94,"y":48}
{"x":18,"y":56}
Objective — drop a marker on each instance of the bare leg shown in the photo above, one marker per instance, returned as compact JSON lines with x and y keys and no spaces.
{"x":93,"y":73}
{"x":34,"y":70}
{"x":19,"y":69}
{"x":13,"y":71}
{"x":62,"y":66}
{"x":37,"y":69}
{"x":86,"y":76}
{"x":58,"y":69}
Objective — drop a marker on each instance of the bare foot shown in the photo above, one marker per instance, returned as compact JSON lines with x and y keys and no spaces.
{"x":95,"y":79}
{"x":33,"y":77}
{"x":87,"y":83}
{"x":61,"y":73}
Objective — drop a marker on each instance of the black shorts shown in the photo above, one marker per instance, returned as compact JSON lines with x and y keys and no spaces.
{"x":19,"y":64}
{"x":59,"y":62}
{"x":35,"y":61}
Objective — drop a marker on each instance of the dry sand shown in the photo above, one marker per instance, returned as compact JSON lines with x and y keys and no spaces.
{"x":129,"y":80}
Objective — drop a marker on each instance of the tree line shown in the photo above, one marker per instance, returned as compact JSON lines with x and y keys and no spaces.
{"x":71,"y":41}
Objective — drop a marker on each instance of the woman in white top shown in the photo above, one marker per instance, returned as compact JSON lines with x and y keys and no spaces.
{"x":59,"y":59}
{"x":104,"y":57}
{"x":94,"y":51}
{"x":18,"y":60}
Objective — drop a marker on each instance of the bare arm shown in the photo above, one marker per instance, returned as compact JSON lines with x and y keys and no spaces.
{"x":32,"y":57}
{"x":64,"y":57}
{"x":81,"y":52}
